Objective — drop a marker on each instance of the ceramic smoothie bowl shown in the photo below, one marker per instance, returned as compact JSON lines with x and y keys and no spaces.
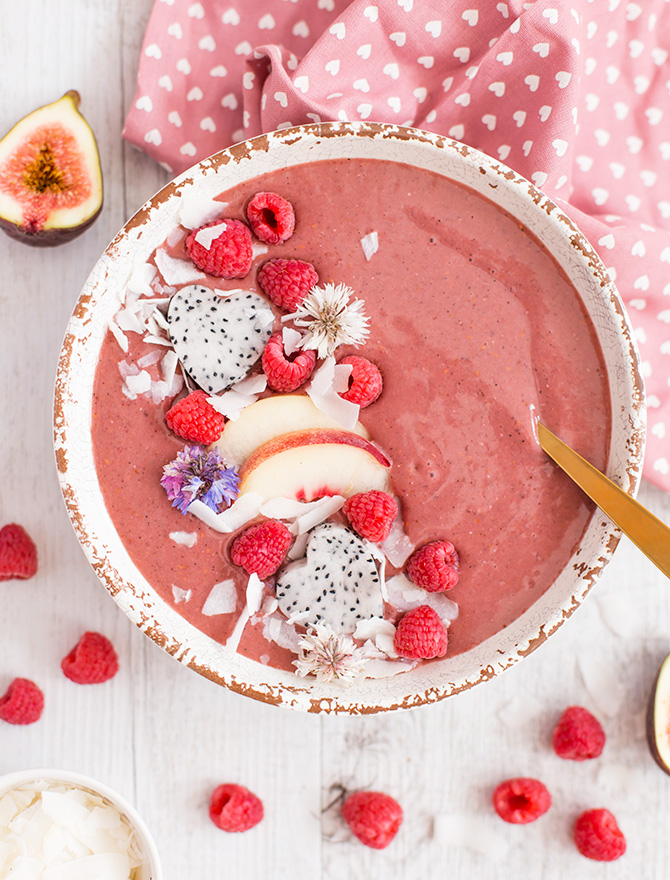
{"x":486,"y":308}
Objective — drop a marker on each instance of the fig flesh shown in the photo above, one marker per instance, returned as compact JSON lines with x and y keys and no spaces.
{"x":658,"y":718}
{"x":50,"y":176}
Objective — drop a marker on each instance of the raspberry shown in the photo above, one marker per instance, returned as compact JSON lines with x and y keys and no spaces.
{"x":193,"y":418}
{"x":434,"y":567}
{"x":374,"y":817}
{"x":286,"y":373}
{"x":262,"y":548}
{"x":235,"y":808}
{"x":230,"y":253}
{"x":287,"y":282}
{"x":18,"y":554}
{"x":91,"y":661}
{"x":365,"y":381}
{"x":578,"y":735}
{"x":371,"y":514}
{"x":23,"y":702}
{"x":598,"y":836}
{"x":271,"y":217}
{"x":421,"y":635}
{"x":521,"y":800}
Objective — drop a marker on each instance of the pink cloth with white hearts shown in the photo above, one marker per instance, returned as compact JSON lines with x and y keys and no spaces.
{"x":572,"y":94}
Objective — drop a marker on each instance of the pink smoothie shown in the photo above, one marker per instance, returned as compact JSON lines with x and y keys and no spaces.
{"x":474,"y":328}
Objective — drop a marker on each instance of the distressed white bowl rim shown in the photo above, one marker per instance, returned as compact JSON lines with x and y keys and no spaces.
{"x":99,"y":300}
{"x":152,"y":861}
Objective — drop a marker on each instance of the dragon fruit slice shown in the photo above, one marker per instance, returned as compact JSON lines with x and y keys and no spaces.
{"x":337,"y":583}
{"x":218,"y":339}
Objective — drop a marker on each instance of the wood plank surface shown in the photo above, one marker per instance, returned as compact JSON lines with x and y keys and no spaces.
{"x":163,"y":736}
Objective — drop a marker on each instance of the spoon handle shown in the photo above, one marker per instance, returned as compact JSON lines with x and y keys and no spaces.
{"x":644,"y":529}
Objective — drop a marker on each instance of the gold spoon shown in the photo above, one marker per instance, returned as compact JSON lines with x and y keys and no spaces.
{"x":644,"y":529}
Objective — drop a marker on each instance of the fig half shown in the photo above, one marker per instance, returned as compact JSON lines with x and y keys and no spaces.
{"x":658,"y":718}
{"x":50,"y":176}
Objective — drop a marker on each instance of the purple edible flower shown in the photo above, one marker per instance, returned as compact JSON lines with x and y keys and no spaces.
{"x":197,"y":473}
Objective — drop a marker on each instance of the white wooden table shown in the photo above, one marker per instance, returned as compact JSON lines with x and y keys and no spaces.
{"x":163,"y":736}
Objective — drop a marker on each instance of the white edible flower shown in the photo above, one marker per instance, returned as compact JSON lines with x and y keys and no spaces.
{"x":328,"y":656}
{"x":330,"y":319}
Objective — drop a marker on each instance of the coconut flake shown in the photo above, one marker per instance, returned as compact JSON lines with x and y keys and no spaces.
{"x":186,"y":539}
{"x":370,"y":244}
{"x":222,"y":599}
{"x":323,"y":393}
{"x":379,"y":632}
{"x":240,"y":512}
{"x":404,"y":595}
{"x":207,"y":234}
{"x":243,"y":394}
{"x":254,"y":596}
{"x":140,"y":383}
{"x":615,"y":612}
{"x":174,"y":236}
{"x":397,"y":546}
{"x":323,"y":509}
{"x":149,"y":359}
{"x":197,"y":210}
{"x":129,"y":321}
{"x":180,"y":595}
{"x":278,"y":630}
{"x":119,"y":335}
{"x":291,"y":340}
{"x":603,"y":682}
{"x":521,"y":710}
{"x":152,"y":339}
{"x":169,"y":366}
{"x":140,"y":280}
{"x":176,"y":271}
{"x":299,"y":547}
{"x":471,"y":832}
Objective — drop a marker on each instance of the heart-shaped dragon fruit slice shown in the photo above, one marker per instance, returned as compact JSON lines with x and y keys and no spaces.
{"x":218,"y":339}
{"x":336,"y":583}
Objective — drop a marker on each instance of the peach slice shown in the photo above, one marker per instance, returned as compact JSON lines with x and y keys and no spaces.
{"x":306,"y":465}
{"x":269,"y":418}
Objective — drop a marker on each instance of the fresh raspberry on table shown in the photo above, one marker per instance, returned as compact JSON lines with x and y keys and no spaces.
{"x":228,"y":256}
{"x":578,"y":735}
{"x":193,"y":418}
{"x":286,"y":372}
{"x":23,"y":702}
{"x":374,"y":817}
{"x":434,"y":567}
{"x":271,"y":217}
{"x":371,"y":514}
{"x":420,"y":635}
{"x":287,"y":282}
{"x":92,"y":660}
{"x":18,"y":554}
{"x":261,"y":549}
{"x":365,"y":381}
{"x":597,"y":836}
{"x":521,"y":800}
{"x":235,"y":808}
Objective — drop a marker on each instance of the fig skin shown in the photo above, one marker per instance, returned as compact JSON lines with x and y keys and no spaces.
{"x":66,"y":195}
{"x":660,"y":692}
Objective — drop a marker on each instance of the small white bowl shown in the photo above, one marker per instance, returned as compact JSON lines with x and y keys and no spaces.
{"x":151,"y":867}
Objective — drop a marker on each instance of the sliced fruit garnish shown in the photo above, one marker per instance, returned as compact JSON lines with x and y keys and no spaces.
{"x":269,"y":418}
{"x":310,"y":464}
